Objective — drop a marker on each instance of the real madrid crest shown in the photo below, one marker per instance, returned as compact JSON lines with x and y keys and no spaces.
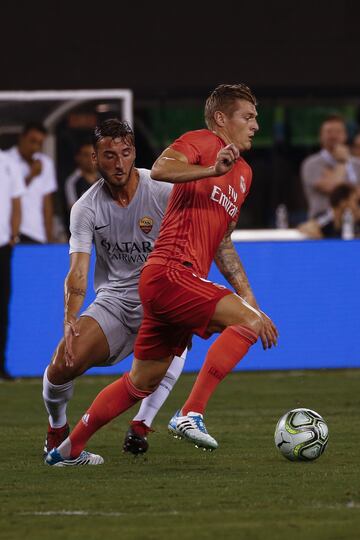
{"x":146,"y":224}
{"x":242,"y":184}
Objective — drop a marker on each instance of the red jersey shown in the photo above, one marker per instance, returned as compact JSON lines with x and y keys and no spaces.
{"x":199,"y":212}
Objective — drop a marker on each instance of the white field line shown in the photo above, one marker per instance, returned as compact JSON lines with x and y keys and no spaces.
{"x":102,"y":514}
{"x":336,"y":506}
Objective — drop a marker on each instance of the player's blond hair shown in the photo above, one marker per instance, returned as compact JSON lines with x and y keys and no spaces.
{"x":224,"y":98}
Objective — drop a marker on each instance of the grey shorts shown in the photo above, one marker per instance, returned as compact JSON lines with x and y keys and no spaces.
{"x":120,"y":322}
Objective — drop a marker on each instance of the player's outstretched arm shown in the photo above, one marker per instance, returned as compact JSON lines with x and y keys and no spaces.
{"x":173,"y":166}
{"x":74,"y":294}
{"x":229,"y":264}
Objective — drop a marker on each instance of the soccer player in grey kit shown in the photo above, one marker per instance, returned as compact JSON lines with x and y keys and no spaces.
{"x":121,"y":214}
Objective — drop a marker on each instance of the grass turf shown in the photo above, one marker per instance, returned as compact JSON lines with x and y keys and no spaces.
{"x":244,"y":490}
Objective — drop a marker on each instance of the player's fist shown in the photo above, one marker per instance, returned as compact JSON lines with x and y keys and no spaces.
{"x":341,"y":153}
{"x":226,"y":159}
{"x":35,"y":168}
{"x":70,"y":332}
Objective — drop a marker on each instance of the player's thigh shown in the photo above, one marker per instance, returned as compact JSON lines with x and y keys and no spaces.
{"x":90,"y":348}
{"x":232,"y":310}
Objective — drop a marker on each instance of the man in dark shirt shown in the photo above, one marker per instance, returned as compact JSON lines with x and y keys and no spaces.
{"x":344,"y":200}
{"x":83,"y":177}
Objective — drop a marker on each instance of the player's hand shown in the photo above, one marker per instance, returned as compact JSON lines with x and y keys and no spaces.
{"x":269,"y":333}
{"x":226,"y":159}
{"x":70,"y":333}
{"x":341,"y":153}
{"x":35,"y":168}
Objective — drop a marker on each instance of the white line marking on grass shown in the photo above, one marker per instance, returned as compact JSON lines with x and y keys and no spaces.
{"x":338,"y":506}
{"x":103,"y":514}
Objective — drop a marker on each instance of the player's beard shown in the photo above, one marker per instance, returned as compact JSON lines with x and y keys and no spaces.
{"x":110,"y":181}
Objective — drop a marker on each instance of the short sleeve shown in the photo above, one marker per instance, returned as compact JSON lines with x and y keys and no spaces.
{"x":70,"y":191}
{"x":311,"y":171}
{"x":18,"y":187}
{"x":164,"y":193}
{"x":191,"y":144}
{"x":81,"y":228}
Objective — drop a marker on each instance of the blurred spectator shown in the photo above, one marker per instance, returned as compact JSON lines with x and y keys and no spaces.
{"x":38,"y":172}
{"x":333,"y":165}
{"x":83,"y":177}
{"x":11,"y":190}
{"x":343,"y":199}
{"x":355,"y":146}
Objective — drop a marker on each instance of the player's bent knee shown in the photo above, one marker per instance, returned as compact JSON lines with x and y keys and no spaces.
{"x":145,"y":382}
{"x":254,"y":322}
{"x":61,"y":370}
{"x":146,"y":385}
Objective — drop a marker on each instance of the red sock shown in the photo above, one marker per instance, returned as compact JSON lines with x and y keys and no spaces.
{"x":140,"y":428}
{"x":226,"y":351}
{"x":109,"y":403}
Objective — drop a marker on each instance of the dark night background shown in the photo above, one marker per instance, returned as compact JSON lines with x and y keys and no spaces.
{"x":292,"y":54}
{"x":279,"y":48}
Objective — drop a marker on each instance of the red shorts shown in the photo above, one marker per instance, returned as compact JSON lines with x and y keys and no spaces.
{"x":177,"y":304}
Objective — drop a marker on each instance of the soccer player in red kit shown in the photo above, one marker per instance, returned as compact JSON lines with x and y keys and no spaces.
{"x":212,"y":181}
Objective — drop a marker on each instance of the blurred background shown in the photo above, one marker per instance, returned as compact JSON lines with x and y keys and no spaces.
{"x":300,"y":59}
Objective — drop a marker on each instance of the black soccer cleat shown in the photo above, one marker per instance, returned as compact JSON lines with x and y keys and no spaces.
{"x":135,"y":439}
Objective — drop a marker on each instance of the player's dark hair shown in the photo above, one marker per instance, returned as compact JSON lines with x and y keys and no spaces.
{"x":341,"y":193}
{"x":34,"y":126}
{"x":115,"y":129}
{"x":334,"y":117}
{"x":85,"y":142}
{"x":224,"y":98}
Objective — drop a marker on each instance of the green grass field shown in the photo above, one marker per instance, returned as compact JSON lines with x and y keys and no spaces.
{"x":244,"y":490}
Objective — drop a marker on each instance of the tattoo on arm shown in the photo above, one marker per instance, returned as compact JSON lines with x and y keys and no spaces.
{"x":76,"y":291}
{"x":229,"y":264}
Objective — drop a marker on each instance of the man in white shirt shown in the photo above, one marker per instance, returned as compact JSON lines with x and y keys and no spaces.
{"x":38,"y":173}
{"x":11,"y":189}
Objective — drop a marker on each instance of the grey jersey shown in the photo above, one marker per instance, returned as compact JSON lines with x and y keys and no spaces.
{"x":123,"y":236}
{"x":313,"y":168}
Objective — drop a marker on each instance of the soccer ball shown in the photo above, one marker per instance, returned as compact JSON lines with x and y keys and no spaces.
{"x":301,"y":435}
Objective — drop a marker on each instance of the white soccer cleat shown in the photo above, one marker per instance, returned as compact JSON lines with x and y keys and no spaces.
{"x":192,"y":428}
{"x":85,"y":458}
